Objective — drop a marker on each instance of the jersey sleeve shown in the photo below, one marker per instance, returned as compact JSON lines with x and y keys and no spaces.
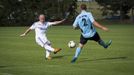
{"x":75,"y":24}
{"x":91,"y":17}
{"x":33,"y":26}
{"x":51,"y":23}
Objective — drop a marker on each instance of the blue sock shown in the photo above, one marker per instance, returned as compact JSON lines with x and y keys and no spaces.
{"x":77,"y":53}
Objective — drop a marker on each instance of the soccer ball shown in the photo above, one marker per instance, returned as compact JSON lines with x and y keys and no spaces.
{"x":71,"y":44}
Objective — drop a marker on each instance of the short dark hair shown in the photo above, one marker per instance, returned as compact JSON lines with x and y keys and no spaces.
{"x":83,"y":7}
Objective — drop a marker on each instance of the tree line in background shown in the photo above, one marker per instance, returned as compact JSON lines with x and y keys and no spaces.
{"x":121,"y":7}
{"x":24,"y":12}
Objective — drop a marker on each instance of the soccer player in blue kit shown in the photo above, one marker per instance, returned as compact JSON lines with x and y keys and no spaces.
{"x":85,"y":22}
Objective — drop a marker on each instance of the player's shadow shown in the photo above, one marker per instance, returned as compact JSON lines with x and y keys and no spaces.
{"x":57,"y":57}
{"x":3,"y":66}
{"x":61,"y":56}
{"x":99,"y":59}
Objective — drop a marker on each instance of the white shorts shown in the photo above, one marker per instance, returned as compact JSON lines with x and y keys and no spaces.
{"x":42,"y":41}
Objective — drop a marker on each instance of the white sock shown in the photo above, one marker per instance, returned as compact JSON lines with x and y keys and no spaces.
{"x":49,"y":48}
{"x":47,"y":53}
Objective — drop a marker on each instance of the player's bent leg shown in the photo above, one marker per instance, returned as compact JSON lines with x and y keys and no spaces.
{"x":78,"y":50}
{"x":49,"y":48}
{"x":105,"y":45}
{"x":97,"y":38}
{"x":102,"y":43}
{"x":48,"y":57}
{"x":83,"y":41}
{"x":77,"y":53}
{"x":55,"y":50}
{"x":109,"y":43}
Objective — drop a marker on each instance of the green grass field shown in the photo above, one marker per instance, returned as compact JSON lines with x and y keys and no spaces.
{"x":22,"y":56}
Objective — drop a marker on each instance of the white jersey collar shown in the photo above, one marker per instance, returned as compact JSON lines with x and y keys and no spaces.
{"x":44,"y":23}
{"x":83,"y":11}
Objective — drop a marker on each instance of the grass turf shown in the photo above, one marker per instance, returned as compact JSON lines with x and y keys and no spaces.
{"x":22,"y":56}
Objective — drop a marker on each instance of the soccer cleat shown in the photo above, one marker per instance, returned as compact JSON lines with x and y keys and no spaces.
{"x":48,"y":58}
{"x":73,"y":60}
{"x":108,"y":43}
{"x":56,"y":50}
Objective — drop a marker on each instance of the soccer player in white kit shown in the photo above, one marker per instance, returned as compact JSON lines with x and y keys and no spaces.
{"x":40,"y":28}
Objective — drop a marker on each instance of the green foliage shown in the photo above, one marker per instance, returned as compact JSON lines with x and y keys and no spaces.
{"x":123,"y":6}
{"x":24,"y":12}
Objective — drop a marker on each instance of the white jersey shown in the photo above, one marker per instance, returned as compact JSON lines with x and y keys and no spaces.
{"x":40,"y":32}
{"x":40,"y":28}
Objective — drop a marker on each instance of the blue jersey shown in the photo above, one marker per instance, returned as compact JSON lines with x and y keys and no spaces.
{"x":85,"y":22}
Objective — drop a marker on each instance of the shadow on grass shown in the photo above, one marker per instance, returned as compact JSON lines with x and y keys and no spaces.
{"x":3,"y":66}
{"x":99,"y":59}
{"x":57,"y":57}
{"x":61,"y":56}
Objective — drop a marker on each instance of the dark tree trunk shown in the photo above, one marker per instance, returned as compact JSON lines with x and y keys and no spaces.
{"x":132,"y":14}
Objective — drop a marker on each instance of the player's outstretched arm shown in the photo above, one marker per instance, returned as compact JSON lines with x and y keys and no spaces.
{"x":57,"y":22}
{"x":100,"y":26}
{"x":26,"y":32}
